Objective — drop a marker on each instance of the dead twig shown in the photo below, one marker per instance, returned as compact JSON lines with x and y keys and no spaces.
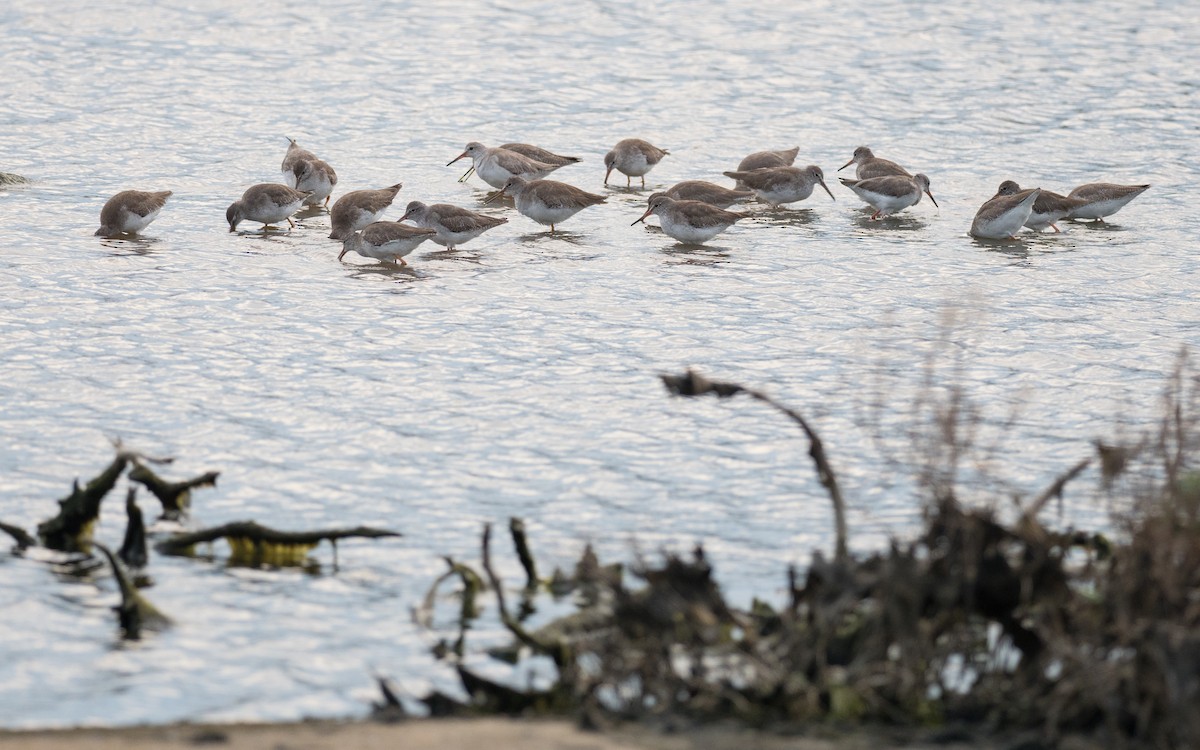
{"x":692,"y":383}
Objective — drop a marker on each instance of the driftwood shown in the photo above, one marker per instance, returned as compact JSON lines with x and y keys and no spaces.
{"x":135,"y":612}
{"x":71,"y":529}
{"x":133,"y":548}
{"x":19,"y":535}
{"x":516,"y":527}
{"x":558,"y":650}
{"x":253,"y":544}
{"x":176,"y":497}
{"x":694,"y":384}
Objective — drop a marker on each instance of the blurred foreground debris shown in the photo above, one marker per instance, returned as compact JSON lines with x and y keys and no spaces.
{"x":1003,"y":623}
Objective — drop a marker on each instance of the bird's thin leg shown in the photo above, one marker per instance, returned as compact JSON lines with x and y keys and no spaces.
{"x":1055,"y":228}
{"x":291,"y":223}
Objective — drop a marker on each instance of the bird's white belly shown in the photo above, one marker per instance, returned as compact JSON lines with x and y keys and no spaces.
{"x":319,"y":184}
{"x":1100,"y":209}
{"x":685,"y":232}
{"x":446,"y":237}
{"x":272,"y":213}
{"x":363,"y":219}
{"x":890,"y":204}
{"x":390,"y":250}
{"x":1003,"y":226}
{"x":131,"y":222}
{"x":543,"y":214}
{"x":492,"y":173}
{"x":784,"y":194}
{"x":635,"y":166}
{"x":1039,"y":222}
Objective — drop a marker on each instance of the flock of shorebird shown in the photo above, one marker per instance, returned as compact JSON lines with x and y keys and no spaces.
{"x":693,"y":211}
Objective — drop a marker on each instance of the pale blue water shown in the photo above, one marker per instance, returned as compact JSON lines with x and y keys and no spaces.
{"x":518,"y":375}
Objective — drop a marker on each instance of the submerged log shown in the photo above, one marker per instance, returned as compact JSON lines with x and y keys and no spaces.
{"x":71,"y":529}
{"x":253,"y":544}
{"x":176,"y":497}
{"x":135,"y":612}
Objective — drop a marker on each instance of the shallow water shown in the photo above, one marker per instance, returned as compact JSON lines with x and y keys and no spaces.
{"x":517,"y":375}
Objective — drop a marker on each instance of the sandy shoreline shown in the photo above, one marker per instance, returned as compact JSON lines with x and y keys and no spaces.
{"x":463,"y":734}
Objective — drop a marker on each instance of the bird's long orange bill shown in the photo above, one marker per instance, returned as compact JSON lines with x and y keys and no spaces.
{"x":845,"y":165}
{"x":342,"y":253}
{"x":494,"y":196}
{"x":827,"y":189}
{"x":606,"y":174}
{"x":931,"y":198}
{"x":643,"y":218}
{"x":464,"y":153}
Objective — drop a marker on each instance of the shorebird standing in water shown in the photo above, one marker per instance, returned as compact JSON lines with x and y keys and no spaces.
{"x":690,"y":222}
{"x":495,"y":165}
{"x":778,"y":185}
{"x":267,"y":203}
{"x":530,"y":151}
{"x":632,"y":157}
{"x":358,"y":208}
{"x":130,"y":211}
{"x":706,"y":192}
{"x":454,"y":225}
{"x":547,"y":202}
{"x":1047,"y":209}
{"x":386,"y":240}
{"x":1003,"y":215}
{"x":301,"y":169}
{"x":768,"y":159}
{"x":1103,"y":199}
{"x":870,"y":165}
{"x":890,"y":194}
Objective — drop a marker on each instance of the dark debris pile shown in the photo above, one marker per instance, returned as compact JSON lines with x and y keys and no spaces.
{"x":1002,"y":625}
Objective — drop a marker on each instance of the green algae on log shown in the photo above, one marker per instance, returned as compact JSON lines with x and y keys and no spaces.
{"x":253,"y":544}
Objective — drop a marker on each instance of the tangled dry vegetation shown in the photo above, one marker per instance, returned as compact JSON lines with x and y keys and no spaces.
{"x":1002,"y":623}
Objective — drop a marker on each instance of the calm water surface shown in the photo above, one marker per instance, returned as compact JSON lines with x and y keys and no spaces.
{"x":516,"y":376}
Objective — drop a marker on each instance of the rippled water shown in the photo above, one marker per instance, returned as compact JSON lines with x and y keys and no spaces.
{"x":516,"y":376}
